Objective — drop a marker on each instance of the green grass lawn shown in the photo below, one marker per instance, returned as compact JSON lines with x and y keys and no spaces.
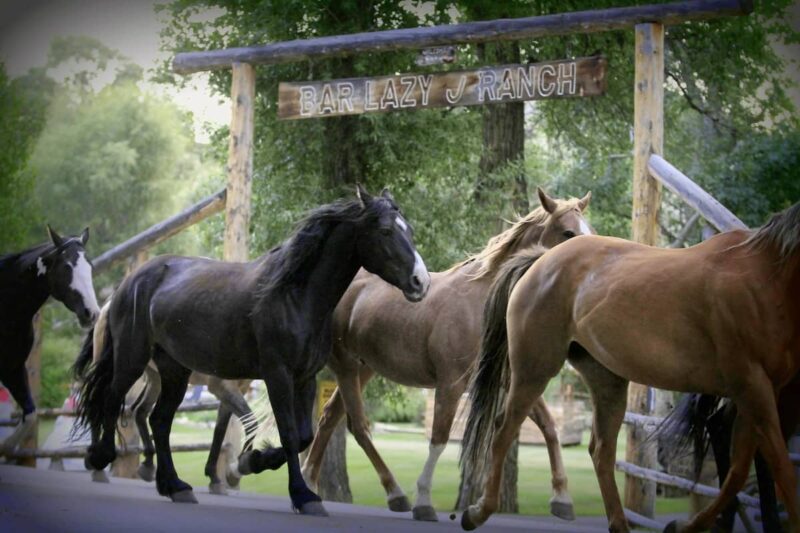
{"x":405,"y":454}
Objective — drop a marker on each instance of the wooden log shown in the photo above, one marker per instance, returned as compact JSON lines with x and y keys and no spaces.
{"x":639,"y":520}
{"x":589,"y":21}
{"x":60,"y":411}
{"x":161,"y":231}
{"x":642,"y":420}
{"x":240,"y":163}
{"x":675,"y":481}
{"x":691,"y":193}
{"x":648,"y":128}
{"x":80,"y":451}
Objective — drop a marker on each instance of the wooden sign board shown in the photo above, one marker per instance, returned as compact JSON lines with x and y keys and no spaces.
{"x":488,"y":85}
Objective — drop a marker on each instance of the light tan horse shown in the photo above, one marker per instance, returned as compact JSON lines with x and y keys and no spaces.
{"x":721,"y":318}
{"x":433,"y":344}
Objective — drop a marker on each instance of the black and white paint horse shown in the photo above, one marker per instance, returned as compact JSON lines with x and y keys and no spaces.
{"x":268,"y":319}
{"x":59,"y":269}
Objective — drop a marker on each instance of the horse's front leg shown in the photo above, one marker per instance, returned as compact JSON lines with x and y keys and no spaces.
{"x":292,"y":409}
{"x":16,"y":381}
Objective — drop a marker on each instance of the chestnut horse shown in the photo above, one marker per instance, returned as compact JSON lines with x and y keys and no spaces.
{"x":433,"y":344}
{"x":721,"y":318}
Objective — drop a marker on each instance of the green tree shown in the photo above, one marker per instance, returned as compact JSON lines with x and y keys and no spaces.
{"x":23,"y":104}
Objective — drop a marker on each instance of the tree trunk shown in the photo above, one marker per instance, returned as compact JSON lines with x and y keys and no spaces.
{"x":503,"y":144}
{"x":334,"y":483}
{"x":503,"y":135}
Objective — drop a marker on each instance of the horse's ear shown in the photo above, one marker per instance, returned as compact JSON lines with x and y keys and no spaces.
{"x":85,"y":236}
{"x":548,"y":203}
{"x":55,"y":237}
{"x":386,"y":194}
{"x":363,"y":196}
{"x":583,"y":203}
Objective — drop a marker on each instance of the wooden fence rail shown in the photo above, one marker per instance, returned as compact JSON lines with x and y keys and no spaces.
{"x":162,"y":231}
{"x":60,"y":411}
{"x":590,"y":21}
{"x":78,"y":452}
{"x":691,"y":193}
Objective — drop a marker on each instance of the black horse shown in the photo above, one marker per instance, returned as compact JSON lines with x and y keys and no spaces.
{"x":59,"y":269}
{"x":267,"y":319}
{"x":701,"y":422}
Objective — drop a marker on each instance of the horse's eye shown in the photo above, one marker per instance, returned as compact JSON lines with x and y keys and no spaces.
{"x":385,"y":231}
{"x":569,"y":234}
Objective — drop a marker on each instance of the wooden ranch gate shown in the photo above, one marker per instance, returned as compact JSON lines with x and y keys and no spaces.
{"x":648,"y":23}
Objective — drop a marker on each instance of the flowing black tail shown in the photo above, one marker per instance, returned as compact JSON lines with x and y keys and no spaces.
{"x":94,"y":390}
{"x":84,"y":357}
{"x":685,"y":430}
{"x":490,"y":381}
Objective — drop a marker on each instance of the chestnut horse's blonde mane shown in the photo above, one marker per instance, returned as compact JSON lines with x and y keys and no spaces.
{"x":502,"y":246}
{"x":782,"y":233}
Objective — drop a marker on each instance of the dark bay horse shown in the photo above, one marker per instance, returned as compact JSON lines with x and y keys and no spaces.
{"x":433,"y":345}
{"x":720,"y":318}
{"x":268,"y":319}
{"x":58,"y":268}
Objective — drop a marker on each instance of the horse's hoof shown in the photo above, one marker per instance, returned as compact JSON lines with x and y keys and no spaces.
{"x":146,"y":472}
{"x":399,"y":504}
{"x":99,"y":476}
{"x":676,"y":526}
{"x":425,"y":513}
{"x":562,"y":510}
{"x":313,"y":508}
{"x":183,"y":496}
{"x":218,"y":489}
{"x":466,"y":522}
{"x":243,"y":467}
{"x":232,"y":477}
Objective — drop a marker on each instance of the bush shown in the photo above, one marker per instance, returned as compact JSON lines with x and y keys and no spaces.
{"x":389,"y":402}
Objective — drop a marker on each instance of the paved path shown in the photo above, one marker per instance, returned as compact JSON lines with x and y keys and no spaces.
{"x":34,"y":500}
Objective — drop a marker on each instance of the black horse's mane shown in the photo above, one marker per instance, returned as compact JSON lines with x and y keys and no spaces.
{"x":22,"y":260}
{"x":288,"y":262}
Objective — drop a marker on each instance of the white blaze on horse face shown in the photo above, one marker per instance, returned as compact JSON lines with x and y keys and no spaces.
{"x":400,"y":222}
{"x":41,"y":270}
{"x":421,"y":272}
{"x":82,"y":283}
{"x":585,"y":229}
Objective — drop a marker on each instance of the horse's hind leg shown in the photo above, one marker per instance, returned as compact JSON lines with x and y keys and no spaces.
{"x":231,"y":402}
{"x":332,"y":414}
{"x":141,"y":410}
{"x":174,"y":380}
{"x":609,"y":396}
{"x":756,"y":426}
{"x":561,"y":502}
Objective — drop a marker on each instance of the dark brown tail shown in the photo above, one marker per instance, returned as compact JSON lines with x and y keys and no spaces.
{"x":490,"y":381}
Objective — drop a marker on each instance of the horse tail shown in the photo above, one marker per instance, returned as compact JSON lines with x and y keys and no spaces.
{"x":685,"y":429}
{"x":90,"y":409}
{"x":490,"y":381}
{"x":84,"y":356}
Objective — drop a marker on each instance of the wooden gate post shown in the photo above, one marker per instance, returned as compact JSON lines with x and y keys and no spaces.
{"x":648,"y":128}
{"x":237,"y":203}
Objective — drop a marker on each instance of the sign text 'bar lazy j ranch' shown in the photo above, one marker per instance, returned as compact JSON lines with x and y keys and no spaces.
{"x":509,"y":83}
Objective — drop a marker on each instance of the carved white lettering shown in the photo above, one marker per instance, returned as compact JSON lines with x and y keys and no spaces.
{"x":408,"y":82}
{"x":345,"y":96}
{"x":425,"y":86}
{"x":526,"y":81}
{"x":369,"y":105}
{"x":506,"y":89}
{"x":567,"y":75}
{"x":453,"y":97}
{"x":546,"y":89}
{"x":327,"y":104}
{"x":486,"y":83}
{"x":308,"y":101}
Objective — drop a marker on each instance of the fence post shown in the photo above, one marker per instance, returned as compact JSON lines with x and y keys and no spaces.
{"x":648,"y":128}
{"x":237,"y":203}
